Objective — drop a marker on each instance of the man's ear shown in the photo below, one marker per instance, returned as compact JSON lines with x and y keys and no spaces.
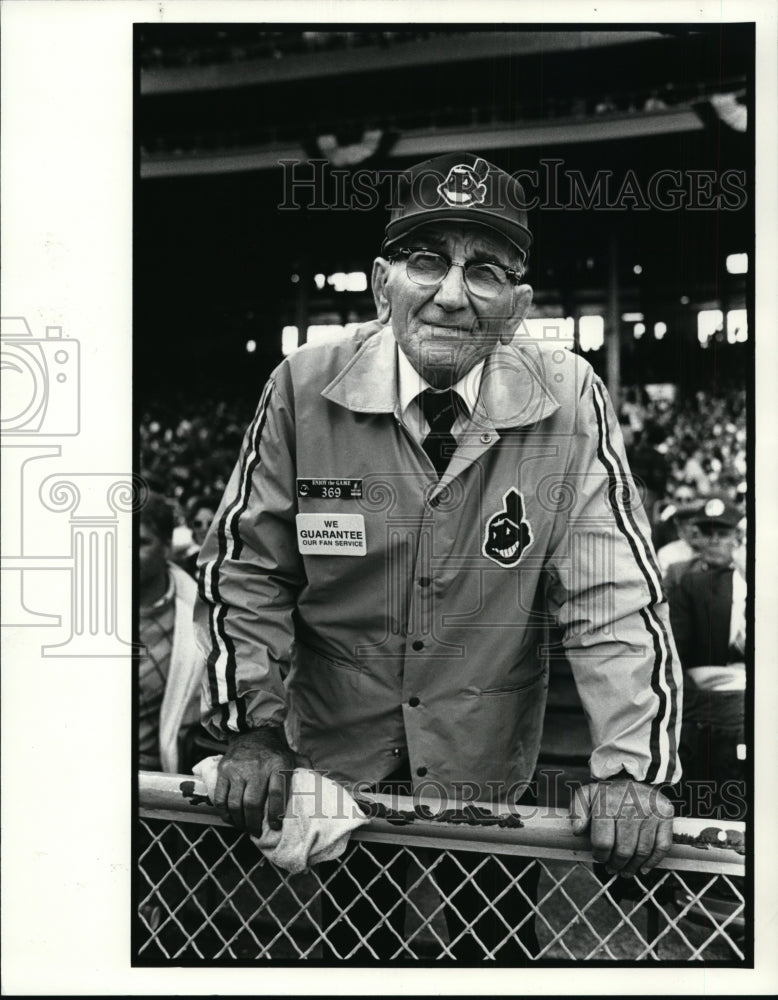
{"x":381,"y":269}
{"x":522,"y":300}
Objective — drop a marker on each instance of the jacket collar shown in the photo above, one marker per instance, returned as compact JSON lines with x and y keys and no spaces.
{"x":368,"y":383}
{"x":513,"y":392}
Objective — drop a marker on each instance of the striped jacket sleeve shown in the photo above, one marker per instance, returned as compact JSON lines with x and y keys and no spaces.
{"x":249,"y":575}
{"x":606,"y":592}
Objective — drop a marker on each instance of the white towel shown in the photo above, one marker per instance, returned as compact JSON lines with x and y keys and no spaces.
{"x":319,"y":819}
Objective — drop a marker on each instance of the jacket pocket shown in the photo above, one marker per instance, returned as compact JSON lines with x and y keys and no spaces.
{"x":308,"y":653}
{"x":498,"y":731}
{"x":509,"y":689}
{"x":338,"y":699}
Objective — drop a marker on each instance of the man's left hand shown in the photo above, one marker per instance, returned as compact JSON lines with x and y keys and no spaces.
{"x":630,"y":824}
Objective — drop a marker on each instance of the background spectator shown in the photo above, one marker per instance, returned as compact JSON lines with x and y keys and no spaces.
{"x":707,"y":614}
{"x":171,"y":668}
{"x":680,"y":515}
{"x":200,"y":513}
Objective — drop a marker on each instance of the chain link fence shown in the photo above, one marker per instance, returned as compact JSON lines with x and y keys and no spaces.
{"x":428,"y":890}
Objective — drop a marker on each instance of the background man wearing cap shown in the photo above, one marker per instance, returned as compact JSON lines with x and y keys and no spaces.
{"x":678,"y":515}
{"x":707,"y":611}
{"x":410,"y":511}
{"x":712,"y":540}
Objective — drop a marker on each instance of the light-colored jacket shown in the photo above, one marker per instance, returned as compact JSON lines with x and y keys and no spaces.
{"x":435,"y":638}
{"x":181,"y":702}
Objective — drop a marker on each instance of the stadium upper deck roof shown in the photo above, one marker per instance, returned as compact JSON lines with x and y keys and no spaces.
{"x":220,"y":105}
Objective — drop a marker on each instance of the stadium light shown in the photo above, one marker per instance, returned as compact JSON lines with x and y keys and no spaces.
{"x":592,"y":332}
{"x":632,"y":317}
{"x":637,"y":269}
{"x":709,"y":321}
{"x":289,"y":340}
{"x":640,"y":329}
{"x":737,"y":263}
{"x":251,"y":346}
{"x":321,"y":280}
{"x":737,"y":326}
{"x":354,"y":281}
{"x":660,"y":329}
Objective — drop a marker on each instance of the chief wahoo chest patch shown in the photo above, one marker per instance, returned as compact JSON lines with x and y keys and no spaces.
{"x":508,"y":535}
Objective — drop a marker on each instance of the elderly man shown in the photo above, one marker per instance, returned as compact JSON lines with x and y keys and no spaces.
{"x":411,"y":509}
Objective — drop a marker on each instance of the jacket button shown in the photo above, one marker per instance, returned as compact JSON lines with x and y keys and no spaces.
{"x":421,"y":771}
{"x":417,"y":645}
{"x":413,"y":702}
{"x":486,"y":438}
{"x":424,"y":581}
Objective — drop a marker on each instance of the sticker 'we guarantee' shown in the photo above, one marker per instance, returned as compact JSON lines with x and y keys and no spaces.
{"x":331,"y":534}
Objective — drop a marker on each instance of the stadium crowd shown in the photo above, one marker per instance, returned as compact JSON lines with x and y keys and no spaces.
{"x":188,"y":449}
{"x":697,"y":442}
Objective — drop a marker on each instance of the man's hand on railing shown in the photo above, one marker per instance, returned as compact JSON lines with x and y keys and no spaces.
{"x":256,"y":771}
{"x":630,"y":824}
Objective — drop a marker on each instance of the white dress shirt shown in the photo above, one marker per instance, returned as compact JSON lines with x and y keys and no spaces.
{"x":410,"y":384}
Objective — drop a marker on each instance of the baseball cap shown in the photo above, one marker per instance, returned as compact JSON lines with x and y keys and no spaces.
{"x":460,"y":187}
{"x":718,"y":510}
{"x":681,"y":512}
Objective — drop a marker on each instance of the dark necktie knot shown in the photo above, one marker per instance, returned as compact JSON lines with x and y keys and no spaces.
{"x":440,"y":410}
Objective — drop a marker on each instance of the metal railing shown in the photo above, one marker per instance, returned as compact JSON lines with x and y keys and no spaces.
{"x":205,"y":891}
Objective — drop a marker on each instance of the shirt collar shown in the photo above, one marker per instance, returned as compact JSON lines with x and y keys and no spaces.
{"x":410,"y":383}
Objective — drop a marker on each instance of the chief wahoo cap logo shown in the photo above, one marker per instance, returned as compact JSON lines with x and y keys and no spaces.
{"x":464,"y":185}
{"x":508,"y":534}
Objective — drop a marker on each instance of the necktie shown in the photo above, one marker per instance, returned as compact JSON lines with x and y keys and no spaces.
{"x":440,"y":411}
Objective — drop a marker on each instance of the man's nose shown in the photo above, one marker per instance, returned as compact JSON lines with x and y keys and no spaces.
{"x":451,"y":293}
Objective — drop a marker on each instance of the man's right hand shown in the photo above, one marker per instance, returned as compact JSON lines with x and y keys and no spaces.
{"x":256,"y":770}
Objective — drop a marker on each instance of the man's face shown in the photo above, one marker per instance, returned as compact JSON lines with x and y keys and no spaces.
{"x":716,"y":543}
{"x":152,"y":555}
{"x":684,"y":497}
{"x":444,"y":330}
{"x":201,"y":522}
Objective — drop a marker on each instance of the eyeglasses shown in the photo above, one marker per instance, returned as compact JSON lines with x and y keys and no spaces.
{"x":483,"y":278}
